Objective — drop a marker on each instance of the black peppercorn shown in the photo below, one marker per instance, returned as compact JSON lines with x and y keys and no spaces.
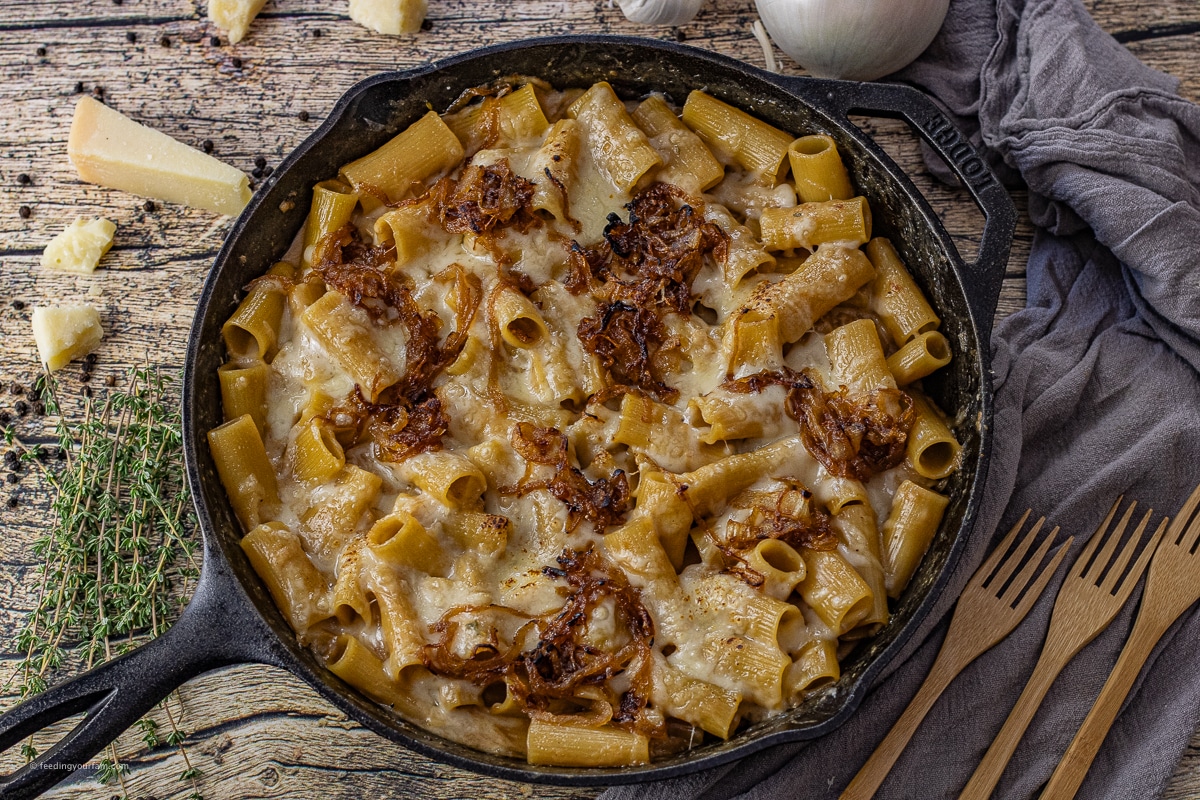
{"x":215,"y":41}
{"x":78,"y":87}
{"x":426,"y":24}
{"x":267,"y":171}
{"x":207,"y":145}
{"x":318,"y":33}
{"x":680,"y":36}
{"x":257,"y":172}
{"x":5,"y":417}
{"x":10,"y":458}
{"x":165,"y":41}
{"x":87,"y":391}
{"x":12,"y":477}
{"x":303,"y":115}
{"x":149,"y":206}
{"x":19,"y":305}
{"x":61,"y":455}
{"x":41,"y":51}
{"x":39,"y":408}
{"x":16,"y":388}
{"x":237,"y":62}
{"x":98,"y":91}
{"x":85,"y":376}
{"x":24,"y":212}
{"x":21,"y":407}
{"x":24,"y":179}
{"x":12,"y":502}
{"x":259,"y":161}
{"x":131,"y":37}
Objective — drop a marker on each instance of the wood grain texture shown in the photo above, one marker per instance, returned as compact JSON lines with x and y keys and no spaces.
{"x":255,"y":731}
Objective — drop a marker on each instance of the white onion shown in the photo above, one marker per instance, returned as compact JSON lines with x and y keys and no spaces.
{"x":660,"y":12}
{"x":853,"y":39}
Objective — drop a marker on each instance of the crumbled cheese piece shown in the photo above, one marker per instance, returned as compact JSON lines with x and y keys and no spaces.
{"x":393,"y":17}
{"x":234,"y":16}
{"x":65,"y":333}
{"x":80,"y":247}
{"x":112,"y":150}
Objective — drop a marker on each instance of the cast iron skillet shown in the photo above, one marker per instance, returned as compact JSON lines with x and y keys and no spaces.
{"x":232,"y":619}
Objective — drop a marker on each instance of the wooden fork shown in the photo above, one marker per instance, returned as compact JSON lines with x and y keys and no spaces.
{"x":986,"y":612}
{"x":1172,"y":586}
{"x":1091,"y":595}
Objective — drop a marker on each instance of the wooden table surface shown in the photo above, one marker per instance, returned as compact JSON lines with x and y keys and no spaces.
{"x":256,"y":731}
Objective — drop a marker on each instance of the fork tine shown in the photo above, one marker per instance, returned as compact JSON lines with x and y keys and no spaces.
{"x":1192,"y":534}
{"x":1035,"y":591}
{"x":1111,"y":540}
{"x":984,"y":572}
{"x":1181,"y":519}
{"x":1118,"y":567}
{"x":1018,"y":583}
{"x":1018,"y":555}
{"x":1085,"y":556}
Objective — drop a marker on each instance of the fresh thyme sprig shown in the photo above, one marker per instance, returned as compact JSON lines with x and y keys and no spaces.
{"x":116,"y":563}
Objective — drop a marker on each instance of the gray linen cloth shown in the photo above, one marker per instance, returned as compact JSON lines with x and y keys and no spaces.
{"x":1098,"y":394}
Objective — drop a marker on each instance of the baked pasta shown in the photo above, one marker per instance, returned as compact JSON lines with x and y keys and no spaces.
{"x":581,"y":430}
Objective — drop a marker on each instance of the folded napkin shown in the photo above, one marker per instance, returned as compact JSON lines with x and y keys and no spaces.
{"x":1098,"y":394}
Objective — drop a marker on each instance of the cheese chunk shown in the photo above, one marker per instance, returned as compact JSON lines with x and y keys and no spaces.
{"x":389,"y":16}
{"x":234,"y":16}
{"x":80,"y":247}
{"x":65,"y":333}
{"x":112,"y":150}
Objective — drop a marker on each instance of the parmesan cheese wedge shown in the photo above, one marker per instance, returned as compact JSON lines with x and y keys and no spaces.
{"x":393,"y":17}
{"x":65,"y":333}
{"x":234,"y":16}
{"x":80,"y":247}
{"x":112,"y":150}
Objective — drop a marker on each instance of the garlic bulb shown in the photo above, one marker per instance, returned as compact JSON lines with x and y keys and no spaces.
{"x":660,"y":12}
{"x":854,"y":39}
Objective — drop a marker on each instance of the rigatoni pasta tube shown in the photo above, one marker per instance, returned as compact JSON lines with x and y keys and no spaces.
{"x":618,"y":146}
{"x":349,"y":597}
{"x":419,"y":152}
{"x":813,"y":666}
{"x":829,"y":276}
{"x":932,"y":449}
{"x":896,"y":298}
{"x":856,"y":357}
{"x":333,"y":204}
{"x":401,"y":540}
{"x":756,"y":146}
{"x":294,"y":583}
{"x":397,"y":620}
{"x":517,"y":319}
{"x":244,"y":391}
{"x":910,"y":527}
{"x":451,"y":478}
{"x":572,"y":746}
{"x":345,"y":333}
{"x":253,"y":330}
{"x":685,"y":153}
{"x":330,"y":524}
{"x":703,"y":704}
{"x":923,"y":355}
{"x":808,"y":225}
{"x":245,"y":471}
{"x":817,"y":170}
{"x":553,"y":169}
{"x":708,"y":487}
{"x":779,"y":564}
{"x":835,"y":591}
{"x":317,"y":455}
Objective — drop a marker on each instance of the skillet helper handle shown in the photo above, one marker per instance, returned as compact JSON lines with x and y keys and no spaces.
{"x":213,"y":631}
{"x":984,"y":277}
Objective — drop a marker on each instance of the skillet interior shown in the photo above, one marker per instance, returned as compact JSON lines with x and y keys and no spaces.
{"x":378,"y":109}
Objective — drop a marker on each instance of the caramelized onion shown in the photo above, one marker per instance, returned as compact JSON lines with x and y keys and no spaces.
{"x":602,"y":502}
{"x":561,"y":670}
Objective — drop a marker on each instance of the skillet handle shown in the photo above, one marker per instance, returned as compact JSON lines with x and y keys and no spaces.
{"x":984,"y":277}
{"x":216,"y":629}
